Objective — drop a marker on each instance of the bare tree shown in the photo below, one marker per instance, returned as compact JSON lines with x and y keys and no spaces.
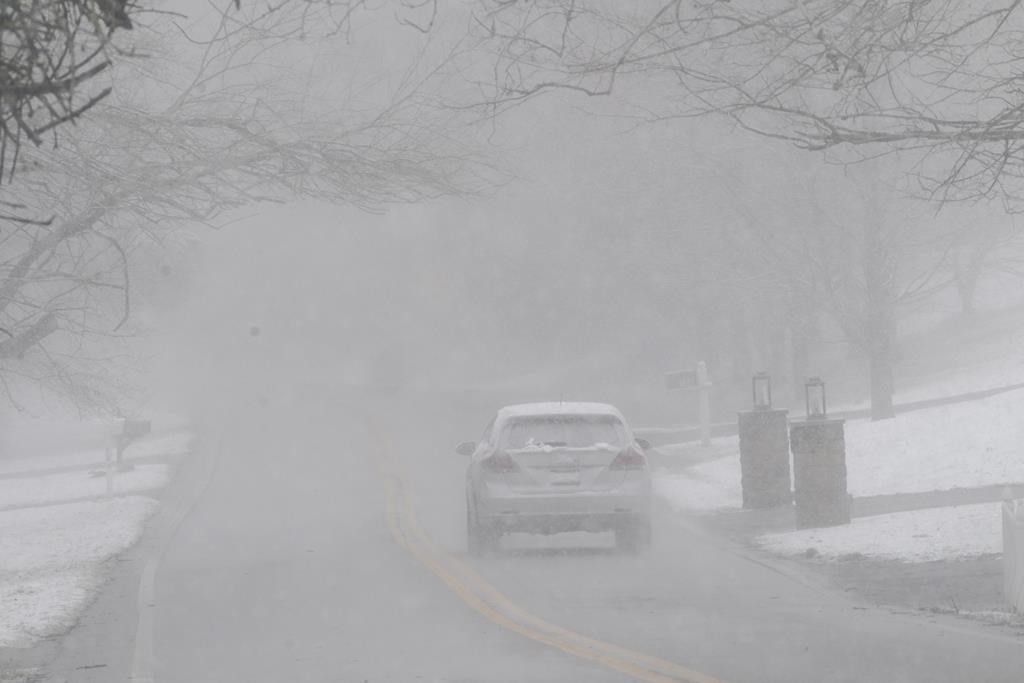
{"x":986,"y":249}
{"x":934,"y":81}
{"x":57,"y":55}
{"x":937,"y":78}
{"x":140,"y":166}
{"x":815,"y":248}
{"x":54,"y":54}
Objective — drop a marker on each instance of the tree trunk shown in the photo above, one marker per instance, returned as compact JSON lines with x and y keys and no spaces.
{"x":706,"y":340}
{"x":879,"y":323}
{"x":880,"y":361}
{"x":740,"y":347}
{"x":967,"y":285}
{"x":800,"y":328}
{"x":798,"y":371}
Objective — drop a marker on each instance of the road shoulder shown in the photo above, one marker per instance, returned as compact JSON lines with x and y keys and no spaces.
{"x":101,"y":646}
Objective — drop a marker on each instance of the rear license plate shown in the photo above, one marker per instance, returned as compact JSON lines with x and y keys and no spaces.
{"x":567,"y":479}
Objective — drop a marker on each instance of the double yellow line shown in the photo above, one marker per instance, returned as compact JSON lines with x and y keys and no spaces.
{"x":492,"y":604}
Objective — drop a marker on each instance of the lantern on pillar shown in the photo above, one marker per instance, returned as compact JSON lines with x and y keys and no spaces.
{"x":814,"y":390}
{"x":762,"y":388}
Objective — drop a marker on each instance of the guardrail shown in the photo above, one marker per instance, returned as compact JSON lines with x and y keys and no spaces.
{"x":1013,"y":553}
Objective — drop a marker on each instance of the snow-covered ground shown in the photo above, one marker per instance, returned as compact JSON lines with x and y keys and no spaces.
{"x":55,"y":488}
{"x":704,"y":487}
{"x":53,"y":551}
{"x":915,"y":536}
{"x":956,"y":446}
{"x":31,"y":457}
{"x":51,"y":561}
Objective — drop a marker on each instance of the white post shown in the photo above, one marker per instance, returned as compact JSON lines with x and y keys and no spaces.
{"x":704,"y":400}
{"x":110,"y":471}
{"x":1013,"y":551}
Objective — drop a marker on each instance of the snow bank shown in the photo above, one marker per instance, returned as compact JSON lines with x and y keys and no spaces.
{"x":917,"y":536}
{"x":51,"y":561}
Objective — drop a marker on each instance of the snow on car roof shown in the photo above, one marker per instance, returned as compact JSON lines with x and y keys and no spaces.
{"x":558,"y":408}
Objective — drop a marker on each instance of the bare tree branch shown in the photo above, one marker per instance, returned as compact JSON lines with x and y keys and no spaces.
{"x":937,"y":78}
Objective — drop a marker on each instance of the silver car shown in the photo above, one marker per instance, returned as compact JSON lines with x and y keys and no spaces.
{"x":552,"y":467}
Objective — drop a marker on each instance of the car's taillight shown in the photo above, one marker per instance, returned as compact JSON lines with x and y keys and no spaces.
{"x":629,"y":460}
{"x":500,"y":463}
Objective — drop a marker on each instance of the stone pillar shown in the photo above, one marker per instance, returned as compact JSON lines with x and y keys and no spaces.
{"x":819,"y":473}
{"x":764,"y":458}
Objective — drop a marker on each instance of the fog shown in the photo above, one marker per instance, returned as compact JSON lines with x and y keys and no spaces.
{"x":345,"y":273}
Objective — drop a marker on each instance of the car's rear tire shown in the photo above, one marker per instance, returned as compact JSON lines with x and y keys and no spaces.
{"x":481,"y":539}
{"x":634,"y":536}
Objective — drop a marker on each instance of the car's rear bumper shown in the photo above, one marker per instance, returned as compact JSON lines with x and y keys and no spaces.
{"x":554,"y":524}
{"x":553,"y":513}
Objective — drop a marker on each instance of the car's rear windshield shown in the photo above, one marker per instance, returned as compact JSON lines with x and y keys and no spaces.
{"x":564,"y":431}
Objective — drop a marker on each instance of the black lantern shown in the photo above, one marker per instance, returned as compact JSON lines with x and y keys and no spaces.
{"x":762,"y":386}
{"x":815,"y":391}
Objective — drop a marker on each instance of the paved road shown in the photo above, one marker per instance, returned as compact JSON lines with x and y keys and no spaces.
{"x":287,"y":570}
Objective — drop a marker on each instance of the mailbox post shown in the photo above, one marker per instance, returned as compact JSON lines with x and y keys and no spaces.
{"x":130,"y":431}
{"x":699,"y":380}
{"x":704,"y":403}
{"x":819,"y":464}
{"x":764,"y":450}
{"x":108,"y":470}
